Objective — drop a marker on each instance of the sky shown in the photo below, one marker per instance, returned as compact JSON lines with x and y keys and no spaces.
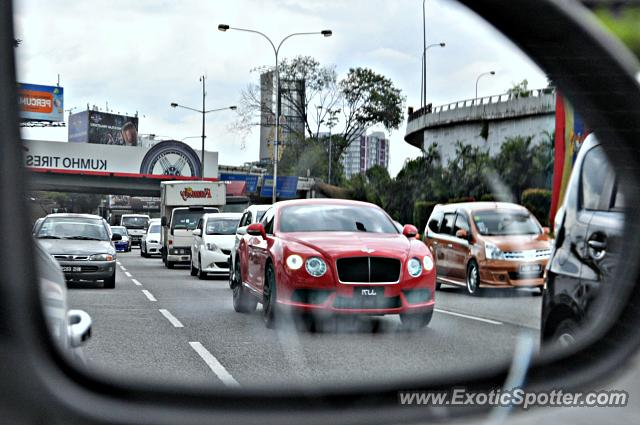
{"x":139,"y":56}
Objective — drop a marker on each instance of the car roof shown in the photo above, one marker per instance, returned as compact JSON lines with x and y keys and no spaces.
{"x":154,"y":220}
{"x":118,"y":227}
{"x":74,"y":215}
{"x":324,"y":201}
{"x":470,"y":207}
{"x":134,"y":215}
{"x":223,"y":215}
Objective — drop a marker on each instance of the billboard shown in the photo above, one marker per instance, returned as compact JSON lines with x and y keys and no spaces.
{"x":250,"y":179}
{"x":40,"y":103}
{"x":103,"y":128}
{"x":166,"y":158}
{"x":286,"y":187}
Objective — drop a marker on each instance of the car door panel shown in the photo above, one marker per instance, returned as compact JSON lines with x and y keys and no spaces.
{"x":445,"y":246}
{"x":459,"y":250}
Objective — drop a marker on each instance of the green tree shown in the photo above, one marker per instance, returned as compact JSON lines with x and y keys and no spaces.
{"x":466,"y":172}
{"x":623,"y":23}
{"x":514,"y":164}
{"x":520,"y":89}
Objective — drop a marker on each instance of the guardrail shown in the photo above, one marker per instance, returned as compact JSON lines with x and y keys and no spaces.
{"x":468,"y":103}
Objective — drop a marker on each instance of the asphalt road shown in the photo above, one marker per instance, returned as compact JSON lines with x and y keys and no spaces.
{"x":166,"y":326}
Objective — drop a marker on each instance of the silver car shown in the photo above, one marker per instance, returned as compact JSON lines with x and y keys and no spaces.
{"x":82,"y":245}
{"x":70,"y":328}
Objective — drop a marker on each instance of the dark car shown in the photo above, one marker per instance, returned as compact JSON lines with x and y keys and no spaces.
{"x":124,"y":244}
{"x":82,"y":245}
{"x":588,"y":230}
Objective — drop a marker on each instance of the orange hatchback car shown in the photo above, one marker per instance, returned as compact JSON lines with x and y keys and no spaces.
{"x":487,"y":244}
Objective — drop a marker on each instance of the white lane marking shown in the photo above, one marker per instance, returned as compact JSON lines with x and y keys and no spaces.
{"x":128,"y":274}
{"x":123,"y":269}
{"x":149,"y":295}
{"x":466,"y":316}
{"x":214,"y":365}
{"x":136,"y":282}
{"x":118,"y":263}
{"x":171,"y":318}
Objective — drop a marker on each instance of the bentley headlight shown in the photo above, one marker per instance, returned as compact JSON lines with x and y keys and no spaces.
{"x":101,"y":257}
{"x":414,"y":267}
{"x":212,"y":246}
{"x":315,"y":266}
{"x":294,"y":262}
{"x":492,"y":252}
{"x":427,"y":262}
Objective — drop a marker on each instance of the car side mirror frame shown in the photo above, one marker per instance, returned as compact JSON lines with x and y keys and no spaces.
{"x":410,"y":231}
{"x":79,"y":327}
{"x":197,"y":232}
{"x":163,"y":221}
{"x":116,"y":237}
{"x":257,"y":229}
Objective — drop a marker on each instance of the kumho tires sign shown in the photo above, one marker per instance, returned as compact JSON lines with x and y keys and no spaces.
{"x":168,"y":158}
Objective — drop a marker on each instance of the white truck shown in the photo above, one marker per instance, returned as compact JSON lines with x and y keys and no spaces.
{"x":182,"y":204}
{"x":136,"y":225}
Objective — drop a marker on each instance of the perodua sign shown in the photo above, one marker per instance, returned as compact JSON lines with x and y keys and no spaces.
{"x":166,"y":158}
{"x":40,"y":103}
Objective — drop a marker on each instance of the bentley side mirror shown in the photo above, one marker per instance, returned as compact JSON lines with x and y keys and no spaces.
{"x":410,"y":231}
{"x":257,"y":229}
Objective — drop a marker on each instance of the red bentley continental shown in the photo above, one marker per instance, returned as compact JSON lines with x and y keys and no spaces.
{"x":328,"y":256}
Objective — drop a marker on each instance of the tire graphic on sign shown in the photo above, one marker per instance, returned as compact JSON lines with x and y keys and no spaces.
{"x":171,"y":158}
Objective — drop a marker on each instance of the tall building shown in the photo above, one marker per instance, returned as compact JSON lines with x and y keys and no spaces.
{"x":292,"y":129}
{"x":365,"y":152}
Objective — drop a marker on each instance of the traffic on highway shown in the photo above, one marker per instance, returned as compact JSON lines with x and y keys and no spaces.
{"x":330,"y":276}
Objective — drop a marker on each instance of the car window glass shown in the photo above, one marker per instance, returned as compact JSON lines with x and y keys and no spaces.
{"x":461,"y":223}
{"x":595,"y":170}
{"x":269,"y":226}
{"x":72,"y":228}
{"x":221,"y":226}
{"x":335,"y":218}
{"x":266,"y":217}
{"x":247,"y":219}
{"x":503,"y":222}
{"x":447,"y":224}
{"x":618,"y":199}
{"x":435,"y":221}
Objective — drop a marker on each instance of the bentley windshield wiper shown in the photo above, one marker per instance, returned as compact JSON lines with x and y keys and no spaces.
{"x":83,"y":238}
{"x":49,"y":237}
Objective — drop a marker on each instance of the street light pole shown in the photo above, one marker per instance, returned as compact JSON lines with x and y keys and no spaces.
{"x":204,"y":112}
{"x":203,"y":132}
{"x":276,"y":51}
{"x":424,"y":69}
{"x":424,"y":56}
{"x":480,"y":76}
